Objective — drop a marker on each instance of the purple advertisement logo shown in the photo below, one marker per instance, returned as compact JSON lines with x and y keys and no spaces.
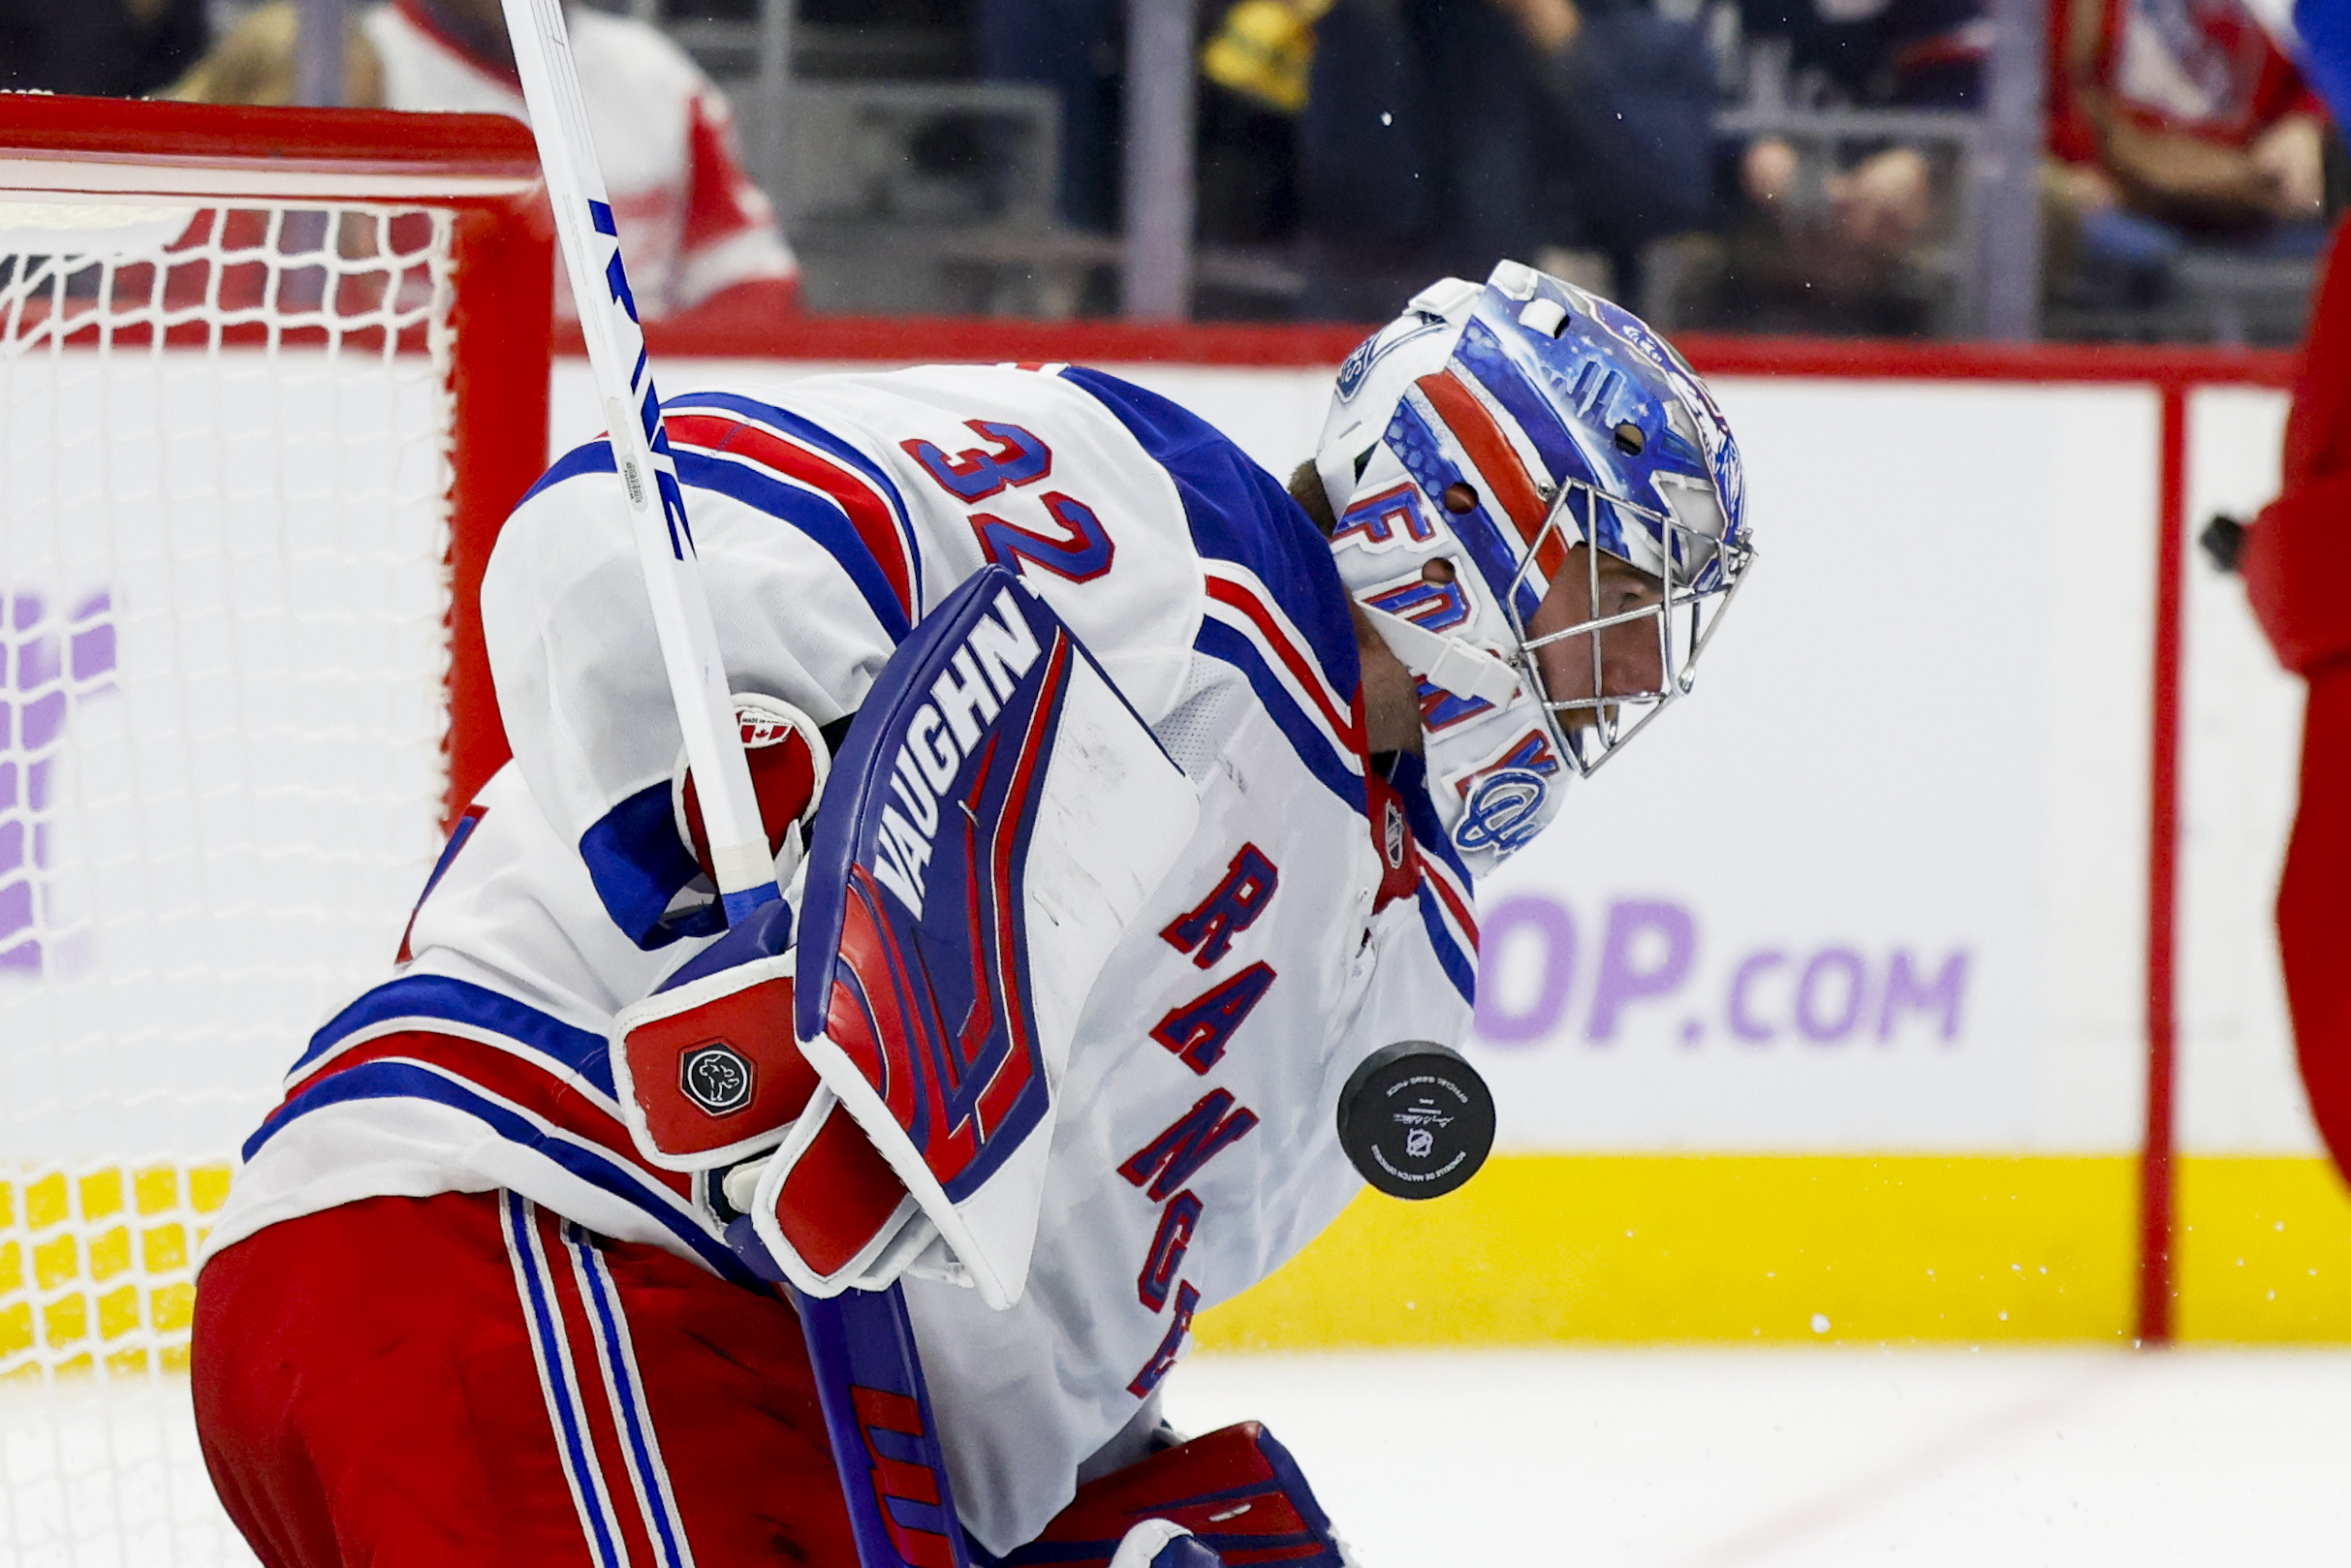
{"x":49,"y":664}
{"x":1644,"y":967}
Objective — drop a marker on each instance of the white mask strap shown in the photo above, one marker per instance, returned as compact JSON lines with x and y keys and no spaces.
{"x":1460,"y":667}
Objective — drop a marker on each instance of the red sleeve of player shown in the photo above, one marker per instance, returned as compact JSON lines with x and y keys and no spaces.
{"x":721,"y":202}
{"x":2298,"y":556}
{"x":2297,"y":561}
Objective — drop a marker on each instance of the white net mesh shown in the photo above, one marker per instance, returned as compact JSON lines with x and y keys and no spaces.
{"x":224,"y":437}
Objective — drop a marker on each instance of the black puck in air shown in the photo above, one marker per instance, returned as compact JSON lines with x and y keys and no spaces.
{"x":1415,"y":1120}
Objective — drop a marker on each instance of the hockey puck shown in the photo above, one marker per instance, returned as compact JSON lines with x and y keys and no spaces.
{"x":1415,"y":1120}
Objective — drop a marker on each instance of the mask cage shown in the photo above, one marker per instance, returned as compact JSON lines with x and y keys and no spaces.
{"x":1700,"y":576}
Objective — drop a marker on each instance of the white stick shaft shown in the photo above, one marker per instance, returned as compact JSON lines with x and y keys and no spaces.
{"x":640,"y":450}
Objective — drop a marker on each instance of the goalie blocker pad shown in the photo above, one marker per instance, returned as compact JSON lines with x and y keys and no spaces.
{"x":996,"y":818}
{"x":705,"y":1070}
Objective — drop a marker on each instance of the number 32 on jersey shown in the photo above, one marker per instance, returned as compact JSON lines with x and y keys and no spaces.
{"x":1069,"y":540}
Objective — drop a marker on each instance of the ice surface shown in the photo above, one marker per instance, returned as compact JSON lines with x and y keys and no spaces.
{"x":1678,"y":1458}
{"x":107,"y":1475}
{"x":1706,"y":1459}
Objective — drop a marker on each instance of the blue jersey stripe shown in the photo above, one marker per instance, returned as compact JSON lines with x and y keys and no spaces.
{"x":1306,"y":738}
{"x":817,"y":436}
{"x":638,"y":864}
{"x":1409,"y":778}
{"x":595,"y":457}
{"x":621,"y":1377}
{"x":438,"y":999}
{"x":817,"y":515}
{"x":458,"y":835}
{"x":1240,"y":513}
{"x":1459,"y":967}
{"x":395,"y":1079}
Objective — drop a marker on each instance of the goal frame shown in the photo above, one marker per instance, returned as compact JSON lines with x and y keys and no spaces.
{"x":481,"y":169}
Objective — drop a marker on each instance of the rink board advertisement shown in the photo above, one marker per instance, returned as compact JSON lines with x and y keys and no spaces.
{"x":1822,"y":1013}
{"x":1879,"y":884}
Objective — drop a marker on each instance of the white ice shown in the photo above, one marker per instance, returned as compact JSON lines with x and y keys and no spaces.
{"x":1709,"y":1458}
{"x":1662,"y":1458}
{"x":108,"y":1476}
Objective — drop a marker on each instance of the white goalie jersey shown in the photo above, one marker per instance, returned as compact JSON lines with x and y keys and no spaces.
{"x":1315,"y":912}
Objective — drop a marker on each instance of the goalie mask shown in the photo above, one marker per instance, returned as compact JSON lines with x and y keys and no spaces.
{"x":1538,"y":508}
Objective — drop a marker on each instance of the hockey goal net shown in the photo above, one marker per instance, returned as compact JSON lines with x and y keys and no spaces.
{"x":268,"y":381}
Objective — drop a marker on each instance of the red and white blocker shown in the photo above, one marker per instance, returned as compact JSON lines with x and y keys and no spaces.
{"x":470,"y":1379}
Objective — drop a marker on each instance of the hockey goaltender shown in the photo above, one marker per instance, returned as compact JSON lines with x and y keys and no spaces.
{"x":1128,"y":804}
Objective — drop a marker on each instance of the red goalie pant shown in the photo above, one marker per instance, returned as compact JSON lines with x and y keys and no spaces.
{"x":472,"y":1380}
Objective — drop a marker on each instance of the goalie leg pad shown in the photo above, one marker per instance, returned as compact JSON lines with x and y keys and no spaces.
{"x":1237,"y":1491}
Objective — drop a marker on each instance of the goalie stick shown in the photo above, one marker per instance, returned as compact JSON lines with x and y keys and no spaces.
{"x":861,"y":1344}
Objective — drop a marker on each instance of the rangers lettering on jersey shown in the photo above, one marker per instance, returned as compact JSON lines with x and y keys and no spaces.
{"x":1206,"y":930}
{"x":1191,"y":1141}
{"x":1163,"y":1359}
{"x":1177,"y":1219}
{"x":1199,"y":1030}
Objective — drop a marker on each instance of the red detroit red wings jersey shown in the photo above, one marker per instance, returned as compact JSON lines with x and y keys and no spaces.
{"x":690,"y":218}
{"x":1195,"y":1148}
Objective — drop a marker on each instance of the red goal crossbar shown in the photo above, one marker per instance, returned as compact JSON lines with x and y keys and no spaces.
{"x":483,"y":169}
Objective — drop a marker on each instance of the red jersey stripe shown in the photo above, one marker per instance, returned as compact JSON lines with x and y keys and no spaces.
{"x":868,"y":512}
{"x":513,"y":1077}
{"x":1303,"y":669}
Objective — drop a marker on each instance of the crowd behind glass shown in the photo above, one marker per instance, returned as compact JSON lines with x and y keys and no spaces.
{"x":1781,"y":165}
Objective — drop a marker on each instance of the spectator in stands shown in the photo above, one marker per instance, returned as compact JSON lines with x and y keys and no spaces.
{"x":1827,"y":237}
{"x":1253,"y":71}
{"x":1439,"y":135}
{"x":2178,"y":121}
{"x":699,"y":235}
{"x":1078,"y":48}
{"x":99,"y":48}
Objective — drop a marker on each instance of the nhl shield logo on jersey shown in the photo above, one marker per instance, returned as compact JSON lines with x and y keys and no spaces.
{"x":716,"y":1077}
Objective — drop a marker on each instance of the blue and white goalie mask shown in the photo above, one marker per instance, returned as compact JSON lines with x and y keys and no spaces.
{"x":1538,"y":508}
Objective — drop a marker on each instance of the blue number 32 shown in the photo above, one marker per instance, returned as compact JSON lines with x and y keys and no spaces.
{"x":976,"y":473}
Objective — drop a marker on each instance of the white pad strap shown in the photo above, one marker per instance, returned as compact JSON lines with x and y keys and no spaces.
{"x":1460,"y":667}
